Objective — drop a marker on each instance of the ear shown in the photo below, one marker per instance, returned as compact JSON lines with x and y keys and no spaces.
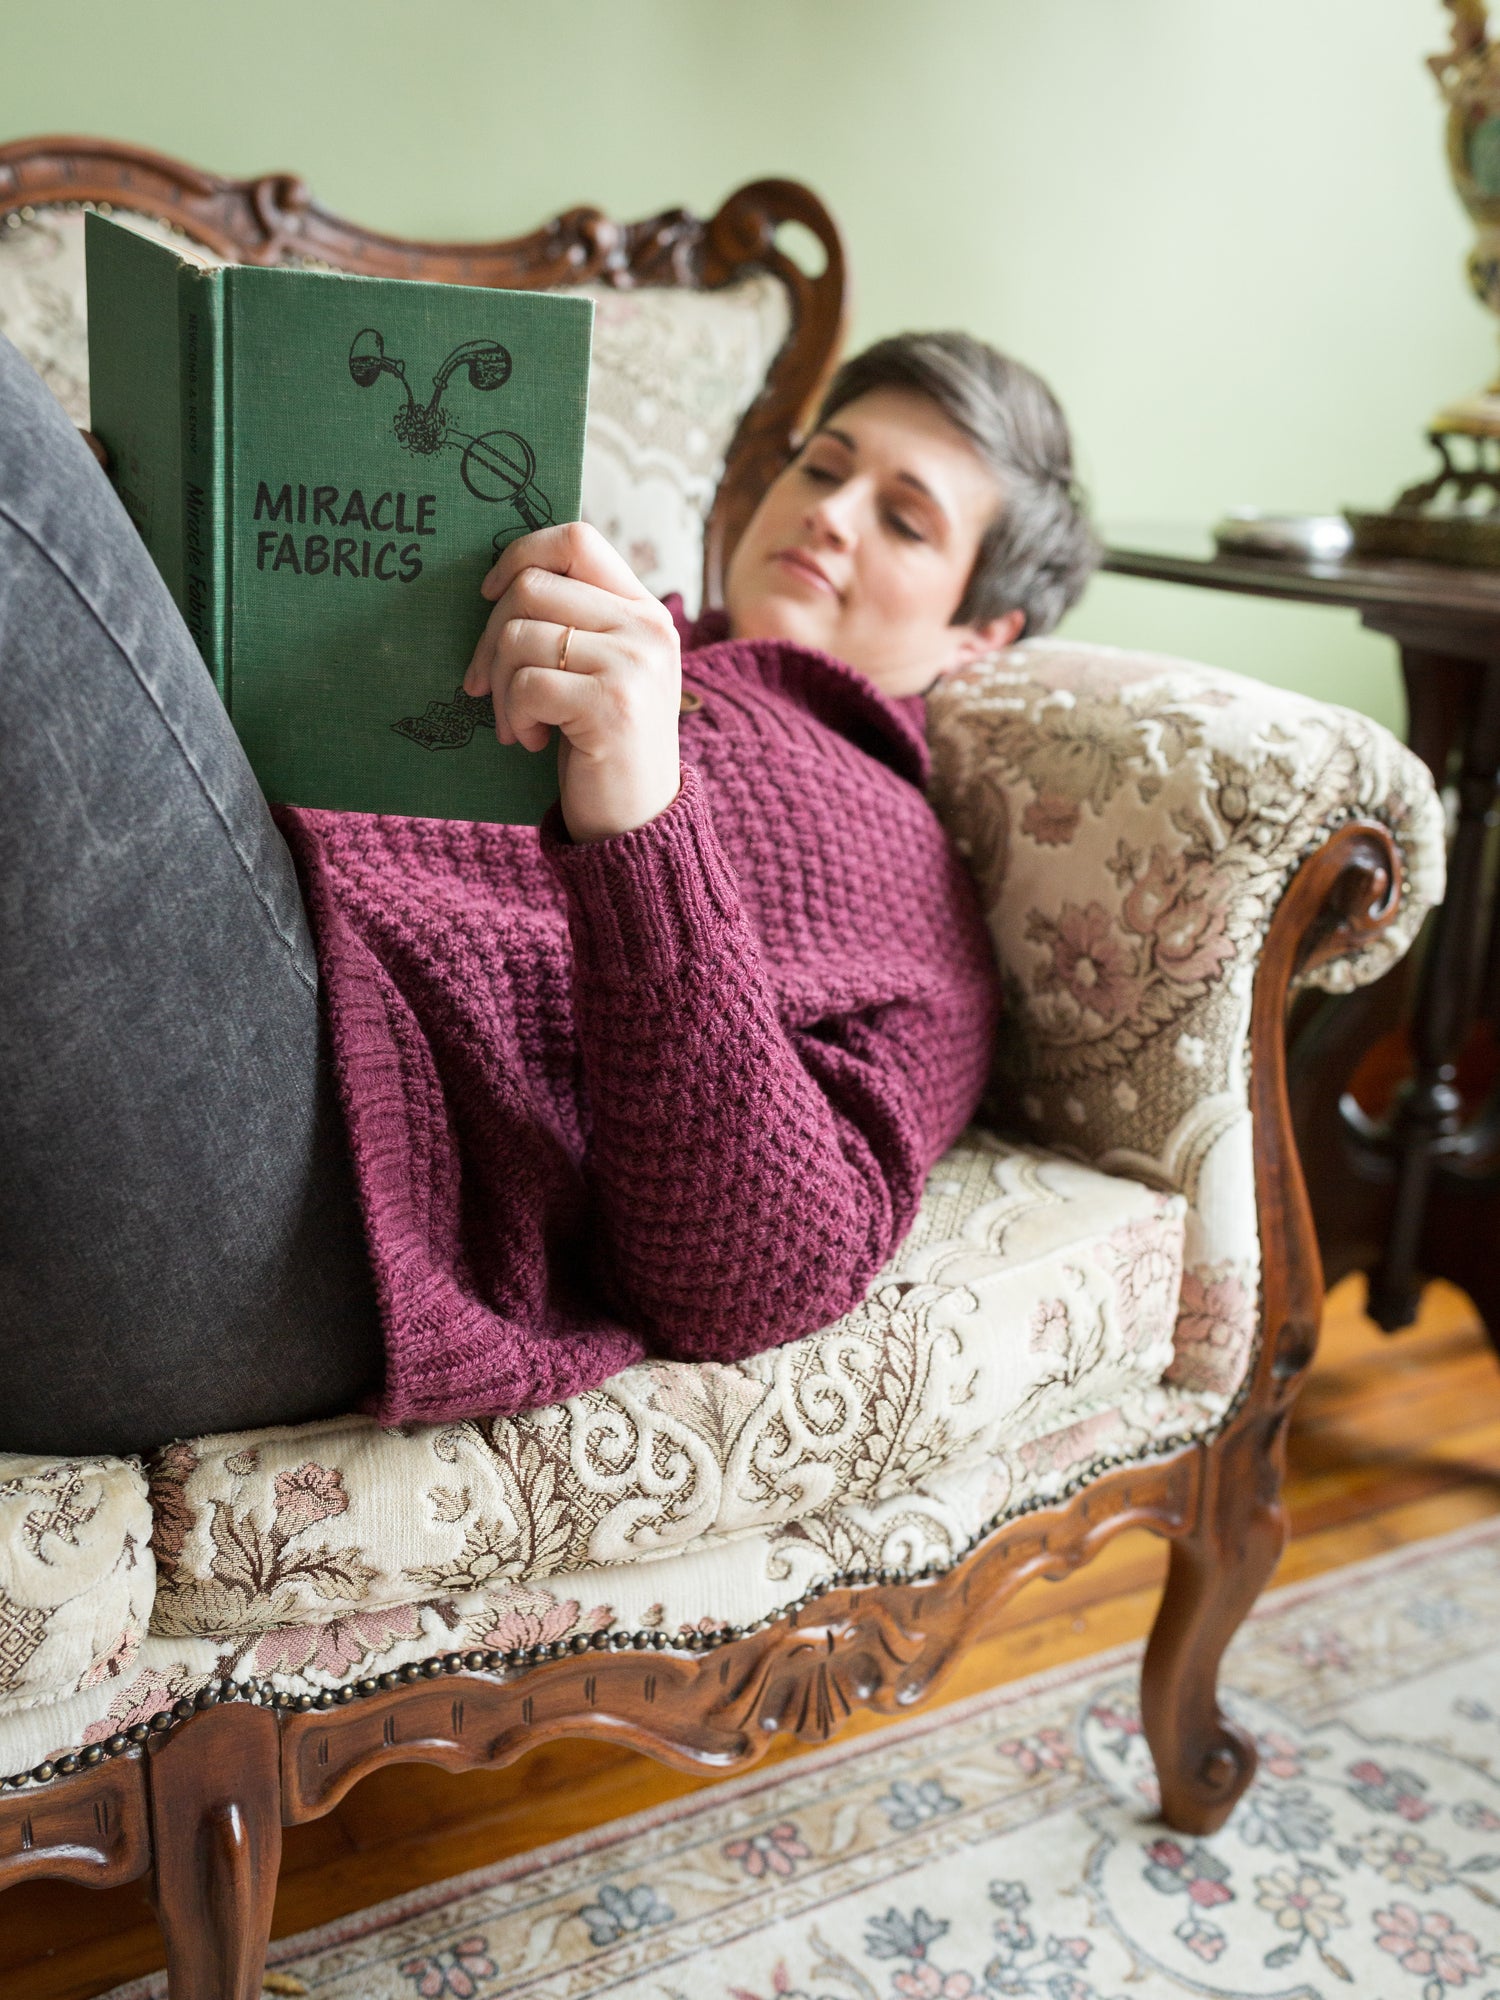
{"x":977,"y":642}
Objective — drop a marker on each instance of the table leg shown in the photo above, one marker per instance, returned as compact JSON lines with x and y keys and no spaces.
{"x":1428,"y":1115}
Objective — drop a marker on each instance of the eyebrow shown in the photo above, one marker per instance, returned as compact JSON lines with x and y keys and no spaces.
{"x":903,"y":478}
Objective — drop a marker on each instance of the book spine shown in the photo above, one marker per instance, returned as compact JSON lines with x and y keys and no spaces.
{"x":200,"y":321}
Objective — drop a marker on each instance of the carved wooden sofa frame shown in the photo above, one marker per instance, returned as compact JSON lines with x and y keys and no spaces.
{"x":200,"y":1796}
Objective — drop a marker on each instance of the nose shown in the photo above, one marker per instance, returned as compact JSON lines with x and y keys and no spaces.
{"x":833,"y":515}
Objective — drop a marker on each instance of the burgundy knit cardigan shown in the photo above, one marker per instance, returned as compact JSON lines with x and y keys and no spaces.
{"x":670,"y":1093}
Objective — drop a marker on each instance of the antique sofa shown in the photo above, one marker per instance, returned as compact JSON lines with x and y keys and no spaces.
{"x":1099,"y":1320}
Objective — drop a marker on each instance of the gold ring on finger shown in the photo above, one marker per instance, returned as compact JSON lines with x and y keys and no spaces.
{"x":562,"y":658}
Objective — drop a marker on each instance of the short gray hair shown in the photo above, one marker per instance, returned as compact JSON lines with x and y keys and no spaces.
{"x":1039,"y":551}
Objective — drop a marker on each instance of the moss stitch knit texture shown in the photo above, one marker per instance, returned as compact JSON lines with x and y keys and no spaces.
{"x":671,"y":1093}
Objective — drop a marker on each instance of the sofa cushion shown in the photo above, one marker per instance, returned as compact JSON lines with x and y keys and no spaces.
{"x":673,"y":373}
{"x":736,"y":1583}
{"x":76,"y":1573}
{"x":1030,"y":1292}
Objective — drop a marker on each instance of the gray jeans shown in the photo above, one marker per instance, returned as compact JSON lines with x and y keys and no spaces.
{"x":180,"y":1244}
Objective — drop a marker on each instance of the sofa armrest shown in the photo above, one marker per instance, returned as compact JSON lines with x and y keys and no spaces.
{"x":77,"y":1579}
{"x":1132,"y":821}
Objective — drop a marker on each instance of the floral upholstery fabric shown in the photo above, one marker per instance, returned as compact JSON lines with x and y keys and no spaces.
{"x":736,"y":1583}
{"x":673,"y":373}
{"x":1030,"y":1292}
{"x":76,"y":1574}
{"x":1132,"y":821}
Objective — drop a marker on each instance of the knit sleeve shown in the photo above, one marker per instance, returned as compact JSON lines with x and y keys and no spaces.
{"x":749,"y":1178}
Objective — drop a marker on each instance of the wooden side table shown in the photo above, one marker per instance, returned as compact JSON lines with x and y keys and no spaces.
{"x":1406,"y":1188}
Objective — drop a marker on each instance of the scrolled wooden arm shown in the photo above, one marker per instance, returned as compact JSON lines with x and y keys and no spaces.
{"x":1344,"y":895}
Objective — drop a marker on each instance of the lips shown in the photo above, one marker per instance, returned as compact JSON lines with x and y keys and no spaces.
{"x":803,"y":565}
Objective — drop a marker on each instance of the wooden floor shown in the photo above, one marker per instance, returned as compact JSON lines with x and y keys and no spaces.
{"x":1395,"y":1440}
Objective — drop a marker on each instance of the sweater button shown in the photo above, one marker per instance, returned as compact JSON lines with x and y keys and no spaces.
{"x":690,"y":703}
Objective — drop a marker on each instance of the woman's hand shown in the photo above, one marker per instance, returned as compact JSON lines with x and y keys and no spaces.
{"x":616,"y":702}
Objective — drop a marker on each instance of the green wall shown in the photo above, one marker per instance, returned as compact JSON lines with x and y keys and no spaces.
{"x":1221,"y":227}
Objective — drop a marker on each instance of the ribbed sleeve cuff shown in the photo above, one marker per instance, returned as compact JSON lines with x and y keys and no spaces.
{"x":648,"y":903}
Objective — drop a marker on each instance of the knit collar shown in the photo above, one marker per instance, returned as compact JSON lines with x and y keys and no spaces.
{"x":890,"y":727}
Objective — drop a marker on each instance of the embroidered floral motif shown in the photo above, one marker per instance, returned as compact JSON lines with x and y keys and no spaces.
{"x":778,"y":1851}
{"x":1048,"y":1750}
{"x":1091,"y":963}
{"x":1405,"y":1858}
{"x":1301,"y":1901}
{"x":536,"y":1618}
{"x":1289,"y":1821}
{"x":337,"y":1647}
{"x":1392,"y":1791}
{"x":1215,"y":1329}
{"x":1194,"y":1870}
{"x":906,"y":1805}
{"x":620,"y":1910}
{"x":1432,"y":1947}
{"x":453,"y":1974}
{"x":1203,"y":1939}
{"x":311,"y":1494}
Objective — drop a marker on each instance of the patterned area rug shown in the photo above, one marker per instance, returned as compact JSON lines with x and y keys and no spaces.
{"x":1007,"y":1847}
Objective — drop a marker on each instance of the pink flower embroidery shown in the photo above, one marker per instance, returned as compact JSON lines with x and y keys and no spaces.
{"x":1046,"y":1751}
{"x":925,"y":1982}
{"x":147,"y":1695}
{"x":454,"y":1972}
{"x":1114,"y":1720}
{"x":1092,"y":963}
{"x":1205,"y":1941}
{"x":1171,"y":1868}
{"x":1429,"y":1945}
{"x":1051,"y":1332}
{"x":337,"y":1646}
{"x":1215,"y":1329}
{"x":1393,"y":1791}
{"x":1145,"y":1261}
{"x":311,"y":1493}
{"x":115,"y":1663}
{"x":778,"y":1851}
{"x":1060,"y":1450}
{"x":1279,"y":1756}
{"x":1322,"y":1647}
{"x":1051,"y":820}
{"x":519,"y":1628}
{"x":781,"y":1982}
{"x":1179,"y":905}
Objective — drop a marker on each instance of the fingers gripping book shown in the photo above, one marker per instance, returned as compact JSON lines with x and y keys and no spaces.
{"x":323,"y":468}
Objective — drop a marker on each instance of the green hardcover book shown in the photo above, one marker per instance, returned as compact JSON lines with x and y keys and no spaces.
{"x":323,"y":468}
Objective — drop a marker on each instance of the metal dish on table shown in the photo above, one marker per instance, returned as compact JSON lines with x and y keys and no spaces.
{"x":1290,"y":537}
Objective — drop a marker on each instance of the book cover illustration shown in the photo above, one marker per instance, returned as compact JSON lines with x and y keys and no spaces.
{"x":334,"y":463}
{"x":496,"y":466}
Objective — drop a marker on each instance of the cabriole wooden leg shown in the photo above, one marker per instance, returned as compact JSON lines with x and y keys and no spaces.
{"x":216,"y":1832}
{"x":1204,"y":1761}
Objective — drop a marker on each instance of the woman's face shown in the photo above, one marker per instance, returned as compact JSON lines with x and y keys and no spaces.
{"x":864,"y":545}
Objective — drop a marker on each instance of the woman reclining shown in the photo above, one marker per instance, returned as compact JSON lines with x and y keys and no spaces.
{"x":664,"y":1076}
